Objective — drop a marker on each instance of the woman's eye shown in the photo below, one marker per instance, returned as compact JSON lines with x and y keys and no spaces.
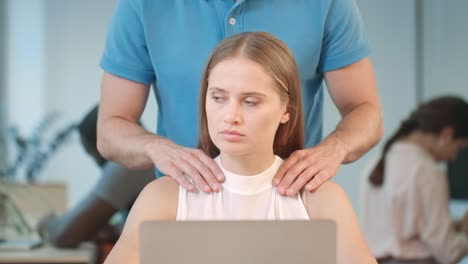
{"x":217,"y":98}
{"x":250,"y":103}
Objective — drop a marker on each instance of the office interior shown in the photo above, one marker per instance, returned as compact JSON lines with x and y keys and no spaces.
{"x":50,"y":50}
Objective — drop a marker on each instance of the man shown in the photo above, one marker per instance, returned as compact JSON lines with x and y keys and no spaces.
{"x":165,"y":43}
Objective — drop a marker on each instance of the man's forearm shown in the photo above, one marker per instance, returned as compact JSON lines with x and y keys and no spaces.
{"x":359,"y":130}
{"x":125,"y":142}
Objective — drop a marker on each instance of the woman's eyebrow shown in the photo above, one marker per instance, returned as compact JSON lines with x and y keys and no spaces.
{"x":256,"y":94}
{"x":217,"y":89}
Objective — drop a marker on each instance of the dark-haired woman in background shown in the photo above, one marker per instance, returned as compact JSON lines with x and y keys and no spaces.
{"x":405,"y":194}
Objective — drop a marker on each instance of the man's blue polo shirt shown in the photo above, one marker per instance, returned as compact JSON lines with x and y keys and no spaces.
{"x":167,"y":42}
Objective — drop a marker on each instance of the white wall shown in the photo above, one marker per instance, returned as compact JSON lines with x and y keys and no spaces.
{"x":445,"y":48}
{"x":24,"y":71}
{"x":25,"y":59}
{"x":3,"y":100}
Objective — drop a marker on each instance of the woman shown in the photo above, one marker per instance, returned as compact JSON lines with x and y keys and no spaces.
{"x":405,"y":194}
{"x":250,"y":118}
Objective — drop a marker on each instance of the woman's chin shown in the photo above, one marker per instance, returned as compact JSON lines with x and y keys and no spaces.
{"x":233,"y":153}
{"x":228,"y":149}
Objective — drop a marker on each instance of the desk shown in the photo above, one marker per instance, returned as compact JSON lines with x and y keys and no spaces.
{"x":48,"y":254}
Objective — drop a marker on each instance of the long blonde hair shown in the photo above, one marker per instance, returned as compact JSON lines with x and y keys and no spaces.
{"x":278,"y":62}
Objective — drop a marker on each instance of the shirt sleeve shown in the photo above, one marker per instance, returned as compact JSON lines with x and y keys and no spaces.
{"x":436,"y":229}
{"x":126,"y":53}
{"x":344,"y":40}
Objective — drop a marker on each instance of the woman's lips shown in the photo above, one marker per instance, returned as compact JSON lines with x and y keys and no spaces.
{"x":232,"y":135}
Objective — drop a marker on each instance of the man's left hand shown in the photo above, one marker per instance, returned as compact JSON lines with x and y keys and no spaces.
{"x":312,"y":166}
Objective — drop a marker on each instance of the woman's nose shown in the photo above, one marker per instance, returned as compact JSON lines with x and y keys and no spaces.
{"x":233,"y":115}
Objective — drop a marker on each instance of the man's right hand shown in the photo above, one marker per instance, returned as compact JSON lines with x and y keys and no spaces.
{"x":180,"y":162}
{"x":122,"y":140}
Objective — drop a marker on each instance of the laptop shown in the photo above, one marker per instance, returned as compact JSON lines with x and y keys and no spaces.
{"x":246,"y":242}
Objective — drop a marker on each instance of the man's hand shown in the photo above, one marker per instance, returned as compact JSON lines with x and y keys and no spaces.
{"x":180,"y":162}
{"x":311,"y":166}
{"x":352,"y":89}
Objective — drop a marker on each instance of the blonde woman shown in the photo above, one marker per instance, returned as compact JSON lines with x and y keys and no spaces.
{"x":250,"y":120}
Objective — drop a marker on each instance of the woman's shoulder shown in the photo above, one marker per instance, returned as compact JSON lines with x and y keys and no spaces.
{"x":163,"y":186}
{"x":328,"y":189}
{"x":159,"y":198}
{"x":327,"y":201}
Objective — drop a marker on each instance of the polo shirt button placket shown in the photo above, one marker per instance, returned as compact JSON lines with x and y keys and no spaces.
{"x":231,"y":26}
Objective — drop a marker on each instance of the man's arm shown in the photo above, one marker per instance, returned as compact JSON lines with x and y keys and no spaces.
{"x":354,"y":93}
{"x":352,"y":89}
{"x":121,"y":139}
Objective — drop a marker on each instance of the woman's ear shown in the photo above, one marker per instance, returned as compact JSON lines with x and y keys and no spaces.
{"x":284,"y":118}
{"x":447,"y":133}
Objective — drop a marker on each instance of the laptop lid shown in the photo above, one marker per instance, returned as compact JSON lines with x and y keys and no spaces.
{"x":246,"y":242}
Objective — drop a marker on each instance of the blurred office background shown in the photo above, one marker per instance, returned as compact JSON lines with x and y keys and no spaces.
{"x":50,"y":50}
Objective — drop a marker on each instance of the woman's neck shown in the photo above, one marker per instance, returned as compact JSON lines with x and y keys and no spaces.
{"x":247,"y":165}
{"x":423,"y":140}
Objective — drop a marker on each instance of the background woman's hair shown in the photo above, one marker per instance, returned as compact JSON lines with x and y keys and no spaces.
{"x":429,"y":117}
{"x":278,"y":62}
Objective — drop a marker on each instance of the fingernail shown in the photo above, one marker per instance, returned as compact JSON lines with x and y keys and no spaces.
{"x":281,"y":190}
{"x":190,"y":187}
{"x":309,"y":187}
{"x":216,"y":187}
{"x":220,"y":177}
{"x":275,"y":182}
{"x":207,"y":189}
{"x":290,"y":191}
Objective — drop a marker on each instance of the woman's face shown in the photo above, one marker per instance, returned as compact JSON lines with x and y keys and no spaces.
{"x":447,"y":147}
{"x":243,"y":107}
{"x":451,"y":148}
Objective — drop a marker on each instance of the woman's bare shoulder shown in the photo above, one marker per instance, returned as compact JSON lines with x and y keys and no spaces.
{"x":163,"y":184}
{"x":159,"y":199}
{"x":328,"y":201}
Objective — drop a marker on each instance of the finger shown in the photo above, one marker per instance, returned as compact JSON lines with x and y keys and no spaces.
{"x":302,"y":180}
{"x":193,"y":173}
{"x":320,"y":178}
{"x":173,"y":172}
{"x":287,"y":164}
{"x":211,"y":164}
{"x":291,"y":175}
{"x":205,"y":173}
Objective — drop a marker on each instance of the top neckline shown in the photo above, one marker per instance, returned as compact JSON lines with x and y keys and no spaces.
{"x":249,"y":184}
